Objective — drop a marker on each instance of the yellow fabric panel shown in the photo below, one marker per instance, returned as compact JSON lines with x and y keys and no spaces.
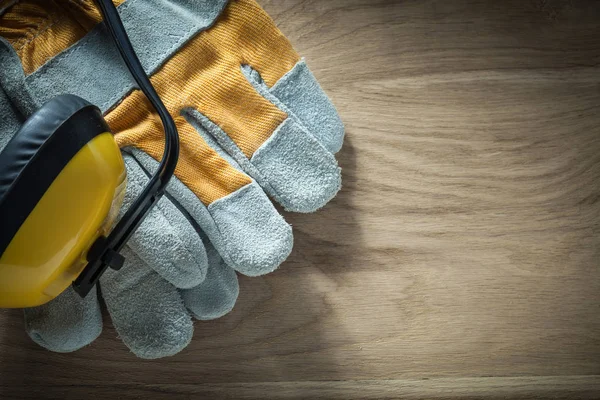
{"x":246,"y":30}
{"x":200,"y":168}
{"x":40,"y":29}
{"x":206,"y":75}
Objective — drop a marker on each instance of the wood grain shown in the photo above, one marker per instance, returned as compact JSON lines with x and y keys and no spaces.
{"x":523,"y":388}
{"x":460,"y":260}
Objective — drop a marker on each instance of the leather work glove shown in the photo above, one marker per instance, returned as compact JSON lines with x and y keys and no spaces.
{"x":147,"y":298}
{"x":252,"y":121}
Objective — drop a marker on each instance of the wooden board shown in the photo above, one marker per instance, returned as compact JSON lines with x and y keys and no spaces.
{"x":460,"y":260}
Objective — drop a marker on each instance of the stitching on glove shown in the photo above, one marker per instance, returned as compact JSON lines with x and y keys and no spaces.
{"x":231,"y":148}
{"x":163,"y":56}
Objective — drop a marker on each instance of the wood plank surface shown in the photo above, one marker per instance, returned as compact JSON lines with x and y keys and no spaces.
{"x":460,"y":260}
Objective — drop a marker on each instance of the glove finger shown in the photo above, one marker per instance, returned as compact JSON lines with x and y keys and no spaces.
{"x":262,"y":135}
{"x":217,"y":295}
{"x":166,"y":241}
{"x":301,"y":96}
{"x":146,"y":310}
{"x":65,"y":324}
{"x":291,"y":166}
{"x":243,"y":225}
{"x":270,"y":146}
{"x":285,"y":80}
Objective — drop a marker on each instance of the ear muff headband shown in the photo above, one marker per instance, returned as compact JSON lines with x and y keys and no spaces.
{"x":105,"y":251}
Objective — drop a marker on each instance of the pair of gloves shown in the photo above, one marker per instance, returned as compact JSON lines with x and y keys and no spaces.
{"x":253,"y":124}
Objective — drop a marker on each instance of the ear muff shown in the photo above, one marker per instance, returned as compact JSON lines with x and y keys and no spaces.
{"x":62,"y":180}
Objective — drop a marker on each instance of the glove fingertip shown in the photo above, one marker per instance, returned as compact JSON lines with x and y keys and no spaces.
{"x":146,"y":310}
{"x":216,"y":296}
{"x":169,"y":345}
{"x":257,"y":243}
{"x":299,"y":92}
{"x":65,"y":324}
{"x":301,"y":174}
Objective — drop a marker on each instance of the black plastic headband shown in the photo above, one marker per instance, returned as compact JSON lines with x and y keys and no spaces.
{"x":105,"y":251}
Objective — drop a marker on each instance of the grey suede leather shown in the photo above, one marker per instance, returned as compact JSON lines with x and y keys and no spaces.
{"x":312,"y":130}
{"x":167,"y":242}
{"x":249,"y":233}
{"x":291,"y":150}
{"x":67,"y":323}
{"x":216,"y":296}
{"x":156,"y":28}
{"x":171,"y":265}
{"x":10,"y":120}
{"x":303,"y":174}
{"x":304,"y":97}
{"x":142,"y":298}
{"x":148,"y":312}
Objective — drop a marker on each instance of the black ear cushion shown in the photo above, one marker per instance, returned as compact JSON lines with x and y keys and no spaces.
{"x":38,"y":152}
{"x":32,"y":136}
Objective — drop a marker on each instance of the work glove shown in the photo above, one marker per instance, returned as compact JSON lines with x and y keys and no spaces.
{"x":251,"y":117}
{"x":148,"y":299}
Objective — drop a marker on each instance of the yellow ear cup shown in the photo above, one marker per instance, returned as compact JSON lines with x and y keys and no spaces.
{"x":49,"y":250}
